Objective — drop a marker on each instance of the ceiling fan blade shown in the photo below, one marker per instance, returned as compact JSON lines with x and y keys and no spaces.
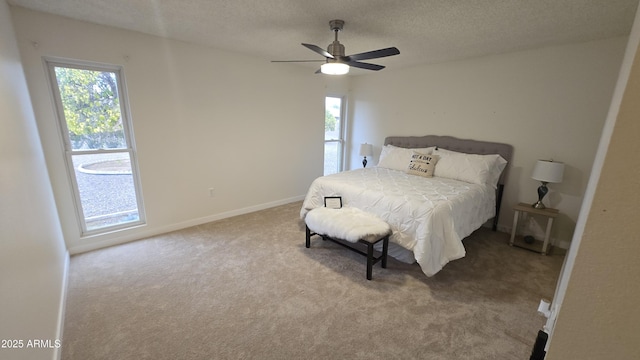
{"x":362,"y":65}
{"x":287,"y":61}
{"x":375,"y":54}
{"x":318,"y":49}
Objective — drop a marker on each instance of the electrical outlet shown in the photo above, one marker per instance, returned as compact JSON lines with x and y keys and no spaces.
{"x":544,"y":308}
{"x":212,"y":192}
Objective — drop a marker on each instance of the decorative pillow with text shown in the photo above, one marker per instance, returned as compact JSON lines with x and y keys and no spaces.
{"x":395,"y":158}
{"x":422,"y":164}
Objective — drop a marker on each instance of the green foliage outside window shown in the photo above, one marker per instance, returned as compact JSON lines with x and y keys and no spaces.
{"x":329,"y":121}
{"x":91,"y":108}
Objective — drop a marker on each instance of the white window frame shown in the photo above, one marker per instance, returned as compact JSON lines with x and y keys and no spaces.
{"x":342,"y":131}
{"x":50,"y":64}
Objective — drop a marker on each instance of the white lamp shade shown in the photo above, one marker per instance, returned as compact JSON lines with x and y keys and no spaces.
{"x":334,"y":68}
{"x":548,"y":171}
{"x":366,"y":150}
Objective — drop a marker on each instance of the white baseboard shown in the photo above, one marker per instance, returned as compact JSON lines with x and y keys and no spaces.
{"x":137,"y":234}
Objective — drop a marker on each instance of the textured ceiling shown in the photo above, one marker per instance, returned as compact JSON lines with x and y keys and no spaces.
{"x":425,"y":31}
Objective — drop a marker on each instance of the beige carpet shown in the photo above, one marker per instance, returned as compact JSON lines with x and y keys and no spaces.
{"x":247,"y":288}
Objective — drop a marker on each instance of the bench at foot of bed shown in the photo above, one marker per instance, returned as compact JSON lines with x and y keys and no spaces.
{"x":349,"y":227}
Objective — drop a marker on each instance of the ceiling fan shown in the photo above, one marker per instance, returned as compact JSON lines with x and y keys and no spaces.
{"x":336,"y":62}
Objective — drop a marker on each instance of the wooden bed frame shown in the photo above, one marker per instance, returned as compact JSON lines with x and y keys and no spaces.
{"x":461,"y":145}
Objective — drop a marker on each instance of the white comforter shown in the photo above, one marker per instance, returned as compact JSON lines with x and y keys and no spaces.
{"x":428,"y":216}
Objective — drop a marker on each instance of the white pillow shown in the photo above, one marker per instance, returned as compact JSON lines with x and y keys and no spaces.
{"x":472,"y":168}
{"x":397,"y":158}
{"x":422,"y":164}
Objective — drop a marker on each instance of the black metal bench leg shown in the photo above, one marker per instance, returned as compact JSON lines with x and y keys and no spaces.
{"x":308,"y":237}
{"x":369,"y":260}
{"x":385,"y":249}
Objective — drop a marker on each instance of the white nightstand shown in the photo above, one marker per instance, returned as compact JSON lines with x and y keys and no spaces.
{"x":527,"y":208}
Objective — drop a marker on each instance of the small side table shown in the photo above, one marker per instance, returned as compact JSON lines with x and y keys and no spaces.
{"x":527,"y":208}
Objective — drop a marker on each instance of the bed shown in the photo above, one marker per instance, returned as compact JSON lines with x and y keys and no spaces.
{"x":429,"y":215}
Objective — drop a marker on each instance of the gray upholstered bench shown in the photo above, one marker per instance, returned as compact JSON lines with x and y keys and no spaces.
{"x":348,"y":227}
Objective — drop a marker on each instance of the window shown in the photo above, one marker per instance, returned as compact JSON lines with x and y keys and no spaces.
{"x":92,"y":109}
{"x":333,"y":135}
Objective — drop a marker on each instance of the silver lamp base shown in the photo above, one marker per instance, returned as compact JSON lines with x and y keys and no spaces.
{"x":542,"y":191}
{"x":538,"y":205}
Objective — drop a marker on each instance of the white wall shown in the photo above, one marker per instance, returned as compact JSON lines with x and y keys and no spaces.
{"x":548,"y":103}
{"x":202,"y":118}
{"x":32,"y":251}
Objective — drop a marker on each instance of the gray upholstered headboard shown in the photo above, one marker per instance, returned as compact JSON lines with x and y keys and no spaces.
{"x":452,"y":143}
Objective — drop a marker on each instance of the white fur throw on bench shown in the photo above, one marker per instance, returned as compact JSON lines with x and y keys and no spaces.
{"x":349,"y":224}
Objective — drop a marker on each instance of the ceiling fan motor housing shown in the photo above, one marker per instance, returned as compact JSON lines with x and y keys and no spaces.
{"x":336,"y":49}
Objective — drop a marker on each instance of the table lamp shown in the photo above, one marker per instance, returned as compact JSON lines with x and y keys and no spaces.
{"x":546,"y":171}
{"x":365,"y":150}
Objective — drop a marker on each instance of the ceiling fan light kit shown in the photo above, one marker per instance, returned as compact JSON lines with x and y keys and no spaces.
{"x":337,"y":63}
{"x":334,"y":68}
